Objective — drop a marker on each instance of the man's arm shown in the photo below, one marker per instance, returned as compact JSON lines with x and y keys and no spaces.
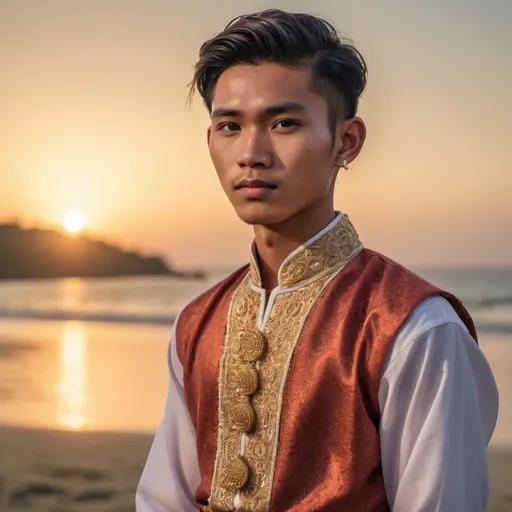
{"x":171,"y":474}
{"x":439,"y":405}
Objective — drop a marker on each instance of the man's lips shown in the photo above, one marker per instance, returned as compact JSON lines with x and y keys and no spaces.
{"x":256,"y":189}
{"x":255,"y":184}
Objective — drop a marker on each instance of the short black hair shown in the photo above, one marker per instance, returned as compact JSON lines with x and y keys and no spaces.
{"x":339,"y":71}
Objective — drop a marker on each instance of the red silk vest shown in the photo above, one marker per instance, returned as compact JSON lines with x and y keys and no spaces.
{"x":309,"y":430}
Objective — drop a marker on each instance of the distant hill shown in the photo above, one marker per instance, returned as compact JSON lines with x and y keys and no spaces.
{"x":38,"y":253}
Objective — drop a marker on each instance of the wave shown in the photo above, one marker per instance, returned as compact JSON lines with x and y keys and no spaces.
{"x":494,"y":327}
{"x":499,"y":326}
{"x":490,"y":302}
{"x":159,"y":319}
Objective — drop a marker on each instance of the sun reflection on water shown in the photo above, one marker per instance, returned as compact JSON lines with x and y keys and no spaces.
{"x":71,"y":412}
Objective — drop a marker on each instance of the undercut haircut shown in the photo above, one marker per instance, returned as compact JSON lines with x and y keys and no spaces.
{"x":338,"y":70}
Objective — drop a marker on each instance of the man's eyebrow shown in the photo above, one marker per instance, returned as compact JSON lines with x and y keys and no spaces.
{"x":224,"y":112}
{"x":272,"y":110}
{"x":284,"y":108}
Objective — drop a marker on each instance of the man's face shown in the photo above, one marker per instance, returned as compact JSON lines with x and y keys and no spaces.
{"x":271,"y":143}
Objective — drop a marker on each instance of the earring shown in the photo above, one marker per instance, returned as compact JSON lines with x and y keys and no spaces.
{"x":345,"y":165}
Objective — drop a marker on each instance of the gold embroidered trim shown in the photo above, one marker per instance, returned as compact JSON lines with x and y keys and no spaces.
{"x":318,"y":259}
{"x":321,"y":257}
{"x":283,"y":329}
{"x":254,"y":366}
{"x":243,"y":346}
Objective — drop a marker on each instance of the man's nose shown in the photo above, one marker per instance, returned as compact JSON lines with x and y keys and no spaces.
{"x":255,"y":150}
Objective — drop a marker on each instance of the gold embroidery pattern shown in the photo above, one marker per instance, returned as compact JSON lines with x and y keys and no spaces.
{"x":238,"y":380}
{"x":254,"y":366}
{"x":282,"y":331}
{"x":322,"y":256}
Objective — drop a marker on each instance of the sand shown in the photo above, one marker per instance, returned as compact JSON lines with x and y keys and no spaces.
{"x":56,"y":471}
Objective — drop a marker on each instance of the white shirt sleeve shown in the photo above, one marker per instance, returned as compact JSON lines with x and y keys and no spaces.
{"x":439,"y":405}
{"x":171,"y":473}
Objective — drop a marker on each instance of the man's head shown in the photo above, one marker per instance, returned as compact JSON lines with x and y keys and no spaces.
{"x":282,"y":91}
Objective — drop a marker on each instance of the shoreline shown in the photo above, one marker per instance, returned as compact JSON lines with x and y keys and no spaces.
{"x":79,"y":471}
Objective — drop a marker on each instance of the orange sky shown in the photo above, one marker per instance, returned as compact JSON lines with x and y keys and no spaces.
{"x":93,"y":116}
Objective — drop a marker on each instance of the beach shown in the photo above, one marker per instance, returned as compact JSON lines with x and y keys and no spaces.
{"x":55,"y":471}
{"x":80,"y":399}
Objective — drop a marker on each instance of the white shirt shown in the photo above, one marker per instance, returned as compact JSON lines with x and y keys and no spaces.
{"x":438,"y":402}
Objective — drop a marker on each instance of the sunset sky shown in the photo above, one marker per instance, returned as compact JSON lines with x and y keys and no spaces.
{"x":93,"y":117}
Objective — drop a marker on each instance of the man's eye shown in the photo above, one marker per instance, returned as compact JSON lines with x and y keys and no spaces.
{"x":229,"y":127}
{"x":286,"y":123}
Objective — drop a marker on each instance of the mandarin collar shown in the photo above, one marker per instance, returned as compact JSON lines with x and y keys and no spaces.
{"x":321,"y":255}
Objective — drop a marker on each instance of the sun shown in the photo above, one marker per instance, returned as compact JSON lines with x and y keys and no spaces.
{"x":73,"y":221}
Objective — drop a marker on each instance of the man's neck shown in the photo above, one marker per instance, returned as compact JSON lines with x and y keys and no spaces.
{"x":275,"y":243}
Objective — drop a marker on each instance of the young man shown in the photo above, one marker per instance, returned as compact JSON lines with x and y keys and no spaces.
{"x":322,"y":376}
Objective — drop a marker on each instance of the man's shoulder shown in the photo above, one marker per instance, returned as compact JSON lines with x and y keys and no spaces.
{"x":432,"y":306}
{"x":430,"y":313}
{"x":390,"y":275}
{"x":394,"y":287}
{"x":209,"y":309}
{"x":382,"y":261}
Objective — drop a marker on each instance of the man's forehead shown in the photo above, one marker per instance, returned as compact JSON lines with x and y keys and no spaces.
{"x":261,"y":85}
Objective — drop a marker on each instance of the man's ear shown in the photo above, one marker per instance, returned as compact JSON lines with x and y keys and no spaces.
{"x":353,"y":134}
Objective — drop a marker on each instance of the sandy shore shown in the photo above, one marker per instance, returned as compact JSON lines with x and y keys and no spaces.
{"x":54,"y":471}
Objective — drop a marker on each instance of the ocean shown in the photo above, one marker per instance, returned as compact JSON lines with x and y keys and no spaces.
{"x":91,"y":354}
{"x":487,"y":293}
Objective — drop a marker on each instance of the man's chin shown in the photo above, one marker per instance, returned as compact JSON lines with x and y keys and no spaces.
{"x":260,"y":215}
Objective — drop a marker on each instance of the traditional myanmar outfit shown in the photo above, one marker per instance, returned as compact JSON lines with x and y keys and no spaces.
{"x":354,"y":386}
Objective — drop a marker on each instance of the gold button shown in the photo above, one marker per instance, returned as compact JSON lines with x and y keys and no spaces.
{"x":252,"y":346}
{"x":243,"y":379}
{"x":242,"y":416}
{"x":235,"y":475}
